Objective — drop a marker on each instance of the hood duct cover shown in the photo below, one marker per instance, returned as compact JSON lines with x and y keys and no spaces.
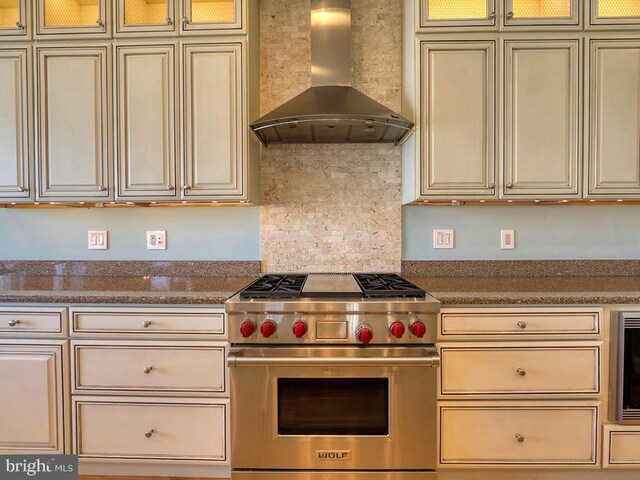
{"x":331,"y":111}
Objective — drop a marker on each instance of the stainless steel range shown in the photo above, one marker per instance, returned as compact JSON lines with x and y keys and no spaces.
{"x":333,"y":377}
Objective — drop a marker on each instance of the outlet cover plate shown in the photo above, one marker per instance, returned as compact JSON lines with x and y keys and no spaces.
{"x":507,"y":239}
{"x":443,"y":239}
{"x":157,"y":240}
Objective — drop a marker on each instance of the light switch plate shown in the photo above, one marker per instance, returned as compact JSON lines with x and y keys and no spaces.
{"x":98,"y":239}
{"x":443,"y":238}
{"x":157,"y":240}
{"x":507,"y":239}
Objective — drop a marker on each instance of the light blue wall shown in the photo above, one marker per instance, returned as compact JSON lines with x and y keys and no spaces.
{"x":198,"y":233}
{"x":542,"y":232}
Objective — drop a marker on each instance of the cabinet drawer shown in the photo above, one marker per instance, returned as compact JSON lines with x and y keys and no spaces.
{"x":621,"y":446}
{"x":154,"y":368}
{"x":500,"y":370}
{"x":159,"y":322}
{"x":493,"y":434}
{"x":163,"y":431}
{"x":518,"y":324}
{"x":19,"y":321}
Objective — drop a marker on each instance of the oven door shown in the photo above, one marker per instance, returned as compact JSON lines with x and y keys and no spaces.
{"x":333,"y":408}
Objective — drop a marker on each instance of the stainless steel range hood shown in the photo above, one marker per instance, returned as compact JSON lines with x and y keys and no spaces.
{"x":332,"y":111}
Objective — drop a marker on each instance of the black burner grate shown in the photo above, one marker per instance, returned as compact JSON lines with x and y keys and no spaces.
{"x":275,"y":286}
{"x":375,"y":285}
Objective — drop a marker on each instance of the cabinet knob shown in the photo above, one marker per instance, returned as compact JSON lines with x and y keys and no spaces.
{"x":146,"y":324}
{"x":23,"y":189}
{"x":185,"y":22}
{"x":521,"y":325}
{"x":169,"y":21}
{"x":170,"y":188}
{"x":492,"y":16}
{"x":102,"y":188}
{"x":521,"y":371}
{"x":148,"y":433}
{"x":13,"y":323}
{"x":19,"y":25}
{"x":100,"y":23}
{"x":519,"y":438}
{"x":147,"y":370}
{"x":509,"y":15}
{"x":509,"y":185}
{"x":187,"y":187}
{"x":492,"y":186}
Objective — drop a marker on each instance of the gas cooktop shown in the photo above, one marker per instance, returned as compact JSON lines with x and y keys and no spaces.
{"x":358,"y":285}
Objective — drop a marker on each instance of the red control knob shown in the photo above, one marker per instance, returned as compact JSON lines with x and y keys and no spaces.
{"x":247,"y":328}
{"x":397,"y":329}
{"x":300,"y":329}
{"x":418,"y":329}
{"x":364,"y":334}
{"x":268,"y":328}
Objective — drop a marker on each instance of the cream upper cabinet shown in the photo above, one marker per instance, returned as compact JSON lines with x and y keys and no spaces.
{"x":146,"y":121}
{"x":457,"y":121}
{"x":614,"y":124}
{"x":74,"y":117}
{"x":542,"y":118}
{"x":213,"y":121}
{"x":199,"y":16}
{"x":541,"y":13}
{"x":448,"y":14}
{"x":618,"y":13}
{"x":16,"y":134}
{"x":31,"y":420}
{"x":13,"y":20}
{"x":72,"y":18}
{"x":145,"y":16}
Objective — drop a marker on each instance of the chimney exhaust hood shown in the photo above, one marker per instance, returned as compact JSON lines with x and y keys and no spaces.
{"x":331,"y":111}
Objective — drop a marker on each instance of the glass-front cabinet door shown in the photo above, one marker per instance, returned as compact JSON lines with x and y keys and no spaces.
{"x":615,"y":12}
{"x":541,"y":12}
{"x":12,"y":18}
{"x":199,"y":15}
{"x":73,"y":17}
{"x":457,"y":13}
{"x":139,"y":16}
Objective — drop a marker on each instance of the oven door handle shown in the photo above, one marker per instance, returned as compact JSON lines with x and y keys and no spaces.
{"x":235,"y":360}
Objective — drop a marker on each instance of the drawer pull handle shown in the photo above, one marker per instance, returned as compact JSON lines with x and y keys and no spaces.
{"x":521,"y":371}
{"x":521,"y":325}
{"x":13,"y":323}
{"x":519,"y":438}
{"x":148,"y":433}
{"x":147,"y":370}
{"x":146,"y":324}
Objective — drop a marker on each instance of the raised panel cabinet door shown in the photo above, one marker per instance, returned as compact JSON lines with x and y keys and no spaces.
{"x":451,"y":14}
{"x":614,"y":131}
{"x":213,"y":116}
{"x":540,"y":13}
{"x":458,"y":119}
{"x":199,"y":16}
{"x":31,"y":395}
{"x":146,"y":121}
{"x":13,"y":20}
{"x":623,"y":13}
{"x":16,"y":135}
{"x":542,"y":118}
{"x":73,"y":127}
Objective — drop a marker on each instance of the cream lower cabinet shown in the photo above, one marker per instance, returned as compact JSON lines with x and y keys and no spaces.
{"x":149,"y":385}
{"x":74,"y":112}
{"x":520,"y":387}
{"x":16,"y":129}
{"x":146,"y":121}
{"x":614,"y":118}
{"x":542,"y":126}
{"x":214,"y":137}
{"x":458,"y":146}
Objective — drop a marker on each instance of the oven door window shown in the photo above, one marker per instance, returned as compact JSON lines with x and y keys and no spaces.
{"x":631,"y":397}
{"x":333,"y":406}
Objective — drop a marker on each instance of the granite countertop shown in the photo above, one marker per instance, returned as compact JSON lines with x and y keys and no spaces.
{"x":598,"y":290}
{"x":120,"y":289}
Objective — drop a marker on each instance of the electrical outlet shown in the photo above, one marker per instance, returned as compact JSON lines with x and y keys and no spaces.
{"x":507,"y":239}
{"x":98,"y":239}
{"x":157,"y":240}
{"x":443,"y":238}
